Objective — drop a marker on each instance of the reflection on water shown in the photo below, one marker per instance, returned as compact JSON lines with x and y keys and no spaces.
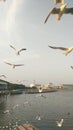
{"x":24,"y":108}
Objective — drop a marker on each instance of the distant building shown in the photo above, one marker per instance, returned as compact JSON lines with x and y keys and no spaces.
{"x":3,"y":91}
{"x":61,"y":86}
{"x":35,"y":85}
{"x":3,"y":85}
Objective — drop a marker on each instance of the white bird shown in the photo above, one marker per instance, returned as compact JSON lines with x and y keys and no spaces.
{"x":17,"y":51}
{"x":66,"y":50}
{"x":6,"y":111}
{"x":13,"y":65}
{"x":59,"y":12}
{"x":38,"y":117}
{"x":59,"y":1}
{"x":15,"y":106}
{"x":40,"y":90}
{"x":41,"y":95}
{"x":59,"y":123}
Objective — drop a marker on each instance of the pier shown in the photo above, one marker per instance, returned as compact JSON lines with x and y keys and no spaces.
{"x":27,"y":127}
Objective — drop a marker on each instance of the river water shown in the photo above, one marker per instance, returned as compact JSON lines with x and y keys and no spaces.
{"x":40,"y":111}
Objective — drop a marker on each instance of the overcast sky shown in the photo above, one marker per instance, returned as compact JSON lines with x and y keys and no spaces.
{"x":22,"y":25}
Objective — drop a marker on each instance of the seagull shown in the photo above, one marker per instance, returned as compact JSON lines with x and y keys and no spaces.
{"x":66,"y":50}
{"x":18,"y":51}
{"x":59,"y":11}
{"x":3,"y":76}
{"x":13,"y":65}
{"x":26,"y":102}
{"x":71,"y":67}
{"x":59,"y":1}
{"x":15,"y":106}
{"x":38,"y":117}
{"x":40,"y":90}
{"x":6,"y":111}
{"x":59,"y":123}
{"x":41,"y":95}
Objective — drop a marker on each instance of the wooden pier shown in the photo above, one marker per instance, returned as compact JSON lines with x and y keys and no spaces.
{"x":27,"y":127}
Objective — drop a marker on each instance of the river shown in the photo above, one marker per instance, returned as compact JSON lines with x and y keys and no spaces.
{"x":40,"y":111}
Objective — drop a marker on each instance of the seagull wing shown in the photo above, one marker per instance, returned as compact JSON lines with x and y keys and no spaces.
{"x":68,"y":10}
{"x":53,"y":11}
{"x":3,"y":76}
{"x":57,"y":1}
{"x":19,"y":64}
{"x":71,"y":67}
{"x":57,"y":122}
{"x":23,"y":49}
{"x":61,"y":122}
{"x":61,"y":48}
{"x":12,"y":47}
{"x":7,"y":63}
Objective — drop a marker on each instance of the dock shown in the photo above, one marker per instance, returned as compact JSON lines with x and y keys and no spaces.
{"x":27,"y":127}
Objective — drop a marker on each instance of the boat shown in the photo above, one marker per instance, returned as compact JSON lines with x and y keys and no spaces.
{"x":35,"y":90}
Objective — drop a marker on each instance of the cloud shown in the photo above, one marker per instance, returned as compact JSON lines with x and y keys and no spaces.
{"x":11,"y":13}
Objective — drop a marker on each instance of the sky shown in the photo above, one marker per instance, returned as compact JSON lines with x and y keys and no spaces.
{"x":22,"y":26}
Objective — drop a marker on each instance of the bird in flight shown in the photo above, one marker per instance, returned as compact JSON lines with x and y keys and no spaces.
{"x":3,"y":76}
{"x":66,"y":50}
{"x":17,"y":51}
{"x":13,"y":65}
{"x":59,"y":123}
{"x":59,"y":12}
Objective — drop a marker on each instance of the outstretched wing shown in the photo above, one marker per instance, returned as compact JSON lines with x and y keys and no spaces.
{"x":61,"y":48}
{"x":53,"y":11}
{"x":59,"y":1}
{"x":3,"y":76}
{"x":23,"y":49}
{"x":68,"y":10}
{"x":57,"y":122}
{"x":7,"y":63}
{"x":71,"y":67}
{"x":19,"y":64}
{"x":12,"y":47}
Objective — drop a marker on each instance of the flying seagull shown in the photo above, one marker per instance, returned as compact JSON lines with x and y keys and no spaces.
{"x":13,"y":65}
{"x":59,"y":123}
{"x":3,"y":76}
{"x":17,"y":51}
{"x":66,"y":50}
{"x":59,"y":1}
{"x":59,"y":12}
